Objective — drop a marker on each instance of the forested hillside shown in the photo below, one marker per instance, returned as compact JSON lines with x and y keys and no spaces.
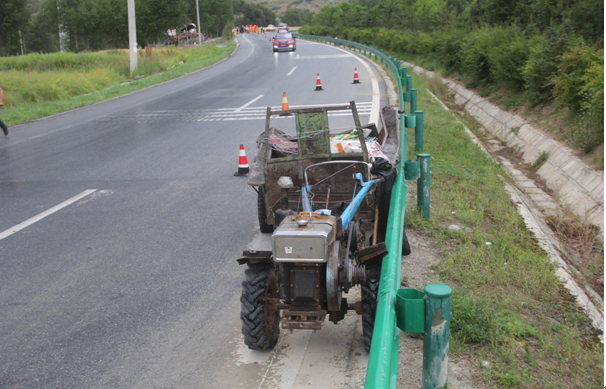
{"x":87,"y":25}
{"x":539,"y":51}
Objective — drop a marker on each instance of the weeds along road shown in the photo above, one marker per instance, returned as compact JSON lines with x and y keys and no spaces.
{"x":120,"y":224}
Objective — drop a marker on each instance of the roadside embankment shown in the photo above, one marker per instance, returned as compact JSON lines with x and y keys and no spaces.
{"x":40,"y":85}
{"x":533,"y":202}
{"x":575,"y":183}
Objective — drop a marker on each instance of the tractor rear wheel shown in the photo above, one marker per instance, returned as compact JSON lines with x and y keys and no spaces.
{"x":259,"y":313}
{"x":370,"y":292}
{"x":261,"y":213}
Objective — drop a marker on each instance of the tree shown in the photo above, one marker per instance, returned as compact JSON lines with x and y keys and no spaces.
{"x":14,"y":19}
{"x":359,"y":17}
{"x":297,"y":17}
{"x":252,"y":13}
{"x":587,"y":18}
{"x":323,"y":17}
{"x":154,"y":17}
{"x":42,"y":36}
{"x":429,"y":12}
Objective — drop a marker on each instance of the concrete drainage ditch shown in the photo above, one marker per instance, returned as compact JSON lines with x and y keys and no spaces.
{"x":577,"y":184}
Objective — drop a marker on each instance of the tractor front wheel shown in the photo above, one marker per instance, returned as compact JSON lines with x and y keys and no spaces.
{"x":259,"y":313}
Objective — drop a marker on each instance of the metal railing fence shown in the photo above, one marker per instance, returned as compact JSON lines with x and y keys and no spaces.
{"x":382,"y":368}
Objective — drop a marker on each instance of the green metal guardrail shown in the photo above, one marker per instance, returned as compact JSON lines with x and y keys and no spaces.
{"x":382,"y":368}
{"x":417,"y":311}
{"x":425,"y":311}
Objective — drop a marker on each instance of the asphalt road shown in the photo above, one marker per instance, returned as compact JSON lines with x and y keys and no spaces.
{"x":134,"y":282}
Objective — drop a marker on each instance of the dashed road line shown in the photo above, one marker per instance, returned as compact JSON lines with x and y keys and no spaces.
{"x":44,"y":214}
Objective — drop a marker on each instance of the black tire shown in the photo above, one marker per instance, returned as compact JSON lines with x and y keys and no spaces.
{"x":263,"y":226}
{"x":260,"y":326}
{"x":370,"y":292}
{"x":405,"y":245}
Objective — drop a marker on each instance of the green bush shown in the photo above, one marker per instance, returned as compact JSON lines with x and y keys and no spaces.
{"x":449,"y":52}
{"x":549,"y":65}
{"x":494,"y":55}
{"x":578,"y":82}
{"x":579,"y":86}
{"x":587,"y":133}
{"x":544,"y":60}
{"x":474,"y":54}
{"x":508,"y":59}
{"x":476,"y":321}
{"x":473,"y":321}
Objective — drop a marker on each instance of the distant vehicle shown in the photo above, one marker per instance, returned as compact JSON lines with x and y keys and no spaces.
{"x":187,"y":35}
{"x":284,"y":42}
{"x":283,"y":26}
{"x":270,"y":27}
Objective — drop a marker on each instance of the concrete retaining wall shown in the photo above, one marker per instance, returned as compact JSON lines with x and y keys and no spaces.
{"x":575,"y":183}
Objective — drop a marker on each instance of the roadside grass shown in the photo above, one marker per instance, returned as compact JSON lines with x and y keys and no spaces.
{"x":580,"y":239}
{"x":509,"y":307}
{"x":40,"y":85}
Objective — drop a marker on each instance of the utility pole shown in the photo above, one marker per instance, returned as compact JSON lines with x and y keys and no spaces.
{"x":199,"y":36}
{"x":132,"y":36}
{"x":62,"y":34}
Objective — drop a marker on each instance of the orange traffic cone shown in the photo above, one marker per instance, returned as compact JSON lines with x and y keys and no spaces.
{"x":285,"y":105}
{"x":284,"y":102}
{"x":356,"y":79}
{"x":242,"y":163}
{"x":318,"y":83}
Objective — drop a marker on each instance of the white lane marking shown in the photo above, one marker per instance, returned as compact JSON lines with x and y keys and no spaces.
{"x":252,"y":51}
{"x":44,"y":214}
{"x":291,"y":72}
{"x":275,"y":117}
{"x":161,"y":113}
{"x":249,"y":103}
{"x":263,"y":117}
{"x":330,"y":56}
{"x":253,"y":113}
{"x":376,"y":93}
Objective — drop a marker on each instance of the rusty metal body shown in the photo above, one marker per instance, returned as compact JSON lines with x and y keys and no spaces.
{"x":314,"y":256}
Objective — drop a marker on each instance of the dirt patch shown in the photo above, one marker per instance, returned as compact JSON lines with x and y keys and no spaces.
{"x":584,"y":249}
{"x":417,"y":272}
{"x":516,"y":160}
{"x":581,"y":241}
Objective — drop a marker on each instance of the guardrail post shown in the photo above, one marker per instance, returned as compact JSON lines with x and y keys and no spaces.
{"x":436,"y":342}
{"x":423,"y":185}
{"x":408,"y":83}
{"x":413,"y":100}
{"x":419,"y":137}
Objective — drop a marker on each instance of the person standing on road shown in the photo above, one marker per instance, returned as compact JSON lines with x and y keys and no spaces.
{"x":4,"y":127}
